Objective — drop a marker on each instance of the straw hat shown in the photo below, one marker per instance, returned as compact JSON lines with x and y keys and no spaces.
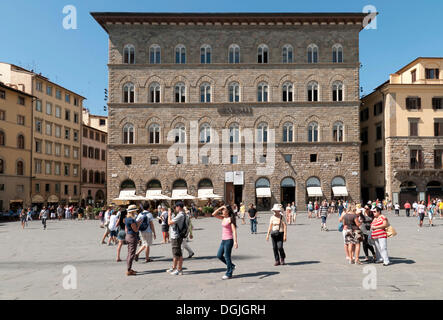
{"x":132,"y":208}
{"x":276,"y":207}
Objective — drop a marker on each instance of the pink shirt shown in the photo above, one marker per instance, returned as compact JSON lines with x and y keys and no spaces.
{"x":227,"y":230}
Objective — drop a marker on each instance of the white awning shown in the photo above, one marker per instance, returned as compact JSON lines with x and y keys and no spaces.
{"x":263,"y":192}
{"x":53,"y":198}
{"x":205,"y":194}
{"x":315,"y":192}
{"x":181,"y":194}
{"x":156,"y":195}
{"x":37,"y":199}
{"x":128,"y":195}
{"x":340,"y":191}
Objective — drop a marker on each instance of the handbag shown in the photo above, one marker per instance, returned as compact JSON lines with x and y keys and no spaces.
{"x":390,"y":231}
{"x":275,"y":233}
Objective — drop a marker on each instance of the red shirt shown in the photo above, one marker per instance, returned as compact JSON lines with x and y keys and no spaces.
{"x":379,"y":233}
{"x":407,"y":205}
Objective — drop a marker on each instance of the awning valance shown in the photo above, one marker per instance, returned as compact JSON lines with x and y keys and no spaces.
{"x":207,"y":193}
{"x":53,"y":198}
{"x":156,"y":194}
{"x":37,"y":199}
{"x":181,"y":194}
{"x":315,"y":192}
{"x":263,"y":192}
{"x":128,"y":195}
{"x":340,"y":191}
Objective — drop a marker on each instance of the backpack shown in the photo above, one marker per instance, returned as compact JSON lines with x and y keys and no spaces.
{"x":144,"y":224}
{"x":183,"y":232}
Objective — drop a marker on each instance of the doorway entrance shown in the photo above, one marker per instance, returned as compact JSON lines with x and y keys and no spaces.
{"x":287,"y":191}
{"x":233,"y":193}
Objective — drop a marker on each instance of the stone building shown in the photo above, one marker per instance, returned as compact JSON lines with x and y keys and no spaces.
{"x":15,"y":148}
{"x":56,"y":139}
{"x":194,"y":76}
{"x":402,"y":135}
{"x":93,"y":185}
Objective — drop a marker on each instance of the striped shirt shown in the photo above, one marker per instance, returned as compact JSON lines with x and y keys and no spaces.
{"x":324,"y":211}
{"x":379,"y":233}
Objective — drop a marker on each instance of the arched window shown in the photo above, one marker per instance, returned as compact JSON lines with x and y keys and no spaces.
{"x":2,"y":138}
{"x":128,"y":93}
{"x":129,"y":54}
{"x":262,"y":132}
{"x":313,"y":132}
{"x":262,"y":92}
{"x":180,"y":54}
{"x":337,"y":53}
{"x":205,"y":183}
{"x":205,"y":92}
{"x":180,"y":92}
{"x":337,"y":91}
{"x":337,"y":132}
{"x":85,"y":176}
{"x":128,"y":134}
{"x":338,"y":182}
{"x":154,"y":133}
{"x":205,"y":133}
{"x":288,"y":132}
{"x":234,"y":92}
{"x":179,"y":184}
{"x":234,"y":133}
{"x":313,"y":91}
{"x":127,"y":184}
{"x":287,"y":92}
{"x":20,"y":141}
{"x":234,"y":53}
{"x":287,"y":53}
{"x":153,"y":184}
{"x":180,"y":133}
{"x":313,"y":182}
{"x":205,"y":54}
{"x":20,"y":168}
{"x":262,"y":54}
{"x":154,"y":93}
{"x":91,"y":176}
{"x":155,"y":54}
{"x":312,"y":53}
{"x":262,"y":183}
{"x":97,"y":177}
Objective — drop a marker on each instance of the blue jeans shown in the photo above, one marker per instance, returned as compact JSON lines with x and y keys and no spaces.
{"x":224,"y":254}
{"x":253,"y":225}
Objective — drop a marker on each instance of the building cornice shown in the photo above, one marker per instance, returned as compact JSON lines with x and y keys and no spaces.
{"x":229,"y":19}
{"x":224,"y":66}
{"x":236,"y":108}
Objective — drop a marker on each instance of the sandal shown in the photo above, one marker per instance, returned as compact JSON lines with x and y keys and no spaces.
{"x":148,"y":260}
{"x":358,"y":262}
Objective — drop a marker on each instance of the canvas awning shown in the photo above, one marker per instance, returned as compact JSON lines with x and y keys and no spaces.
{"x":340,"y":191}
{"x":53,"y":198}
{"x":263,"y":192}
{"x":37,"y":199}
{"x":207,"y":193}
{"x":15,"y":201}
{"x":156,"y":194}
{"x":181,"y":194}
{"x":126,"y":195}
{"x":315,"y":192}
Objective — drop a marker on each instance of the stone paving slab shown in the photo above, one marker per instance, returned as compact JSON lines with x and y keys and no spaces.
{"x":32,"y":262}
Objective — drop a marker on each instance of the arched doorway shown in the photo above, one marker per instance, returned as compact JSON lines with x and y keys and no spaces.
{"x":313,"y":189}
{"x":408,"y":192}
{"x":434,"y":190}
{"x":206,"y":192}
{"x":99,"y":198}
{"x":263,"y":194}
{"x":180,"y":190}
{"x":287,"y":191}
{"x":127,"y":190}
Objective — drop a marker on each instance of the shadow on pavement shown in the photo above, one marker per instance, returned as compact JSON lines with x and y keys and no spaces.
{"x":396,"y":260}
{"x":217,"y":270}
{"x":261,"y":274}
{"x":301,"y":263}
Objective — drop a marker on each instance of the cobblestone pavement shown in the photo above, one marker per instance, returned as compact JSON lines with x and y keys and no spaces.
{"x":32,"y":262}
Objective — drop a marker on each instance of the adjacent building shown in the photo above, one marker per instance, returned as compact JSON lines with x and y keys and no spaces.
{"x":178,"y":81}
{"x":402,"y":135}
{"x":56,"y":139}
{"x":15,"y":147}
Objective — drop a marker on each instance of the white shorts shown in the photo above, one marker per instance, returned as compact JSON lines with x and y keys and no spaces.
{"x":430,"y":215}
{"x":146,"y":238}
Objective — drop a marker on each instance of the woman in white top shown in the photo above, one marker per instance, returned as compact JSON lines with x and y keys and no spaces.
{"x":277,"y":230}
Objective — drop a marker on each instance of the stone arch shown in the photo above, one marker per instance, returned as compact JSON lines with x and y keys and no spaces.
{"x":232,"y":120}
{"x":151,"y":120}
{"x":286,"y":78}
{"x":232,"y":78}
{"x":154,"y":78}
{"x":206,"y":119}
{"x":179,"y":78}
{"x":266,"y":119}
{"x":204,"y":78}
{"x":179,"y":119}
{"x":286,"y":118}
{"x":262,"y":78}
{"x":129,"y":78}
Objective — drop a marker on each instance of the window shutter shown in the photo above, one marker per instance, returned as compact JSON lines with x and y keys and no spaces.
{"x":418,"y":103}
{"x":408,"y":103}
{"x":437,"y":73}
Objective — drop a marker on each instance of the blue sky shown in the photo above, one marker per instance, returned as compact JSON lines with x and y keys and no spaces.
{"x":33,"y":35}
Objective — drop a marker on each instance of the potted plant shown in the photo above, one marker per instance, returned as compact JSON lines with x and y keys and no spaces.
{"x":207,"y":211}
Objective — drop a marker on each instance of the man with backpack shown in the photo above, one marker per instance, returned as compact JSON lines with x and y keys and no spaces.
{"x":178,"y":233}
{"x":146,"y":230}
